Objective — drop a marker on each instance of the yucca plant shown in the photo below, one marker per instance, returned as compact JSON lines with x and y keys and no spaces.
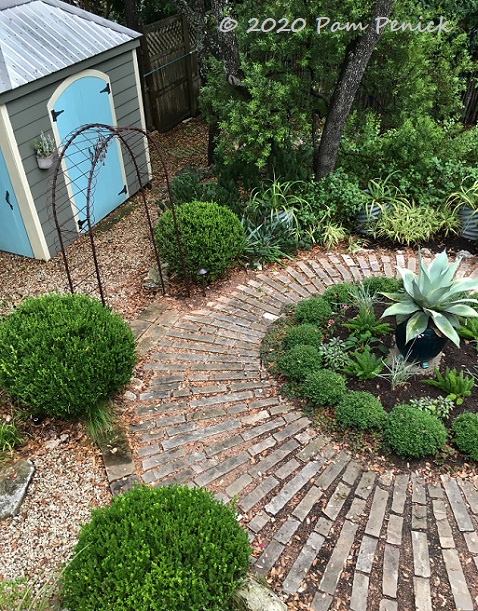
{"x":433,"y":299}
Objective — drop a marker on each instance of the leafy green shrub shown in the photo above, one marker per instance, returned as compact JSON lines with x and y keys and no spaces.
{"x":161,"y":549}
{"x":324,"y":387}
{"x":338,"y":295}
{"x":457,"y":385}
{"x":465,"y":429}
{"x":379,"y":284}
{"x":412,"y":433}
{"x":62,"y":355}
{"x":212,"y":237}
{"x":334,"y":355}
{"x":314,"y":310}
{"x":439,"y":406}
{"x":360,"y":410}
{"x":299,"y":361}
{"x":306,"y":334}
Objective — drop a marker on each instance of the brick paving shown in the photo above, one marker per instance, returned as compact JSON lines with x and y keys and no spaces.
{"x":326,"y":525}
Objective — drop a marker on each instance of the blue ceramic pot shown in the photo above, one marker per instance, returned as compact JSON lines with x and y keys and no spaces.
{"x":423,"y":348}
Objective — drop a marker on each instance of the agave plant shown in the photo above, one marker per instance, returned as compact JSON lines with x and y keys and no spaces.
{"x":433,"y":299}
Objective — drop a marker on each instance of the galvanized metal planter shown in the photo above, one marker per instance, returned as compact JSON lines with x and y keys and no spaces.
{"x":469,"y":222}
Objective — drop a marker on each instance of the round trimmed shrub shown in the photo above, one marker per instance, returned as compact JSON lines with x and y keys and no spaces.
{"x":412,"y":433}
{"x":163,"y":549}
{"x":337,"y":295}
{"x":315,"y":311}
{"x":212,"y":237}
{"x":306,"y":334}
{"x":61,"y":355}
{"x":324,"y":387}
{"x":465,"y":429}
{"x":360,"y":410}
{"x":299,"y":361}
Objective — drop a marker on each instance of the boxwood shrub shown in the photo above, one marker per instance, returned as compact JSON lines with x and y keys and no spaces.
{"x":465,"y":429}
{"x":61,"y":355}
{"x":298,"y":362}
{"x":324,"y":387}
{"x":212,"y":238}
{"x":360,"y":410}
{"x":412,"y":433}
{"x":162,"y":549}
{"x":306,"y":334}
{"x":314,"y":310}
{"x":338,"y":295}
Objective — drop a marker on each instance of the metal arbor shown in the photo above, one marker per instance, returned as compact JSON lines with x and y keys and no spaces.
{"x":78,"y":164}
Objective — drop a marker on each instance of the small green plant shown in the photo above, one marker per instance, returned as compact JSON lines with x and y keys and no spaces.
{"x":465,"y":430}
{"x":63,"y":355}
{"x":456,"y":385}
{"x":324,"y":387}
{"x":439,"y":406}
{"x":399,"y":371}
{"x":306,"y":334}
{"x":298,"y":362}
{"x":170,"y":548}
{"x":365,"y":365}
{"x":378,"y":284}
{"x":19,"y":595}
{"x":270,"y":241}
{"x":365,"y":327}
{"x":44,"y":145}
{"x":10,"y":436}
{"x":332,"y":235}
{"x":212,"y":238}
{"x":413,"y":433}
{"x":360,"y":410}
{"x":314,"y":310}
{"x":333,"y":354}
{"x":363,"y":297}
{"x":469,"y":329}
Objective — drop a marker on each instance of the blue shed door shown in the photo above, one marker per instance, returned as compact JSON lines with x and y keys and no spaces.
{"x":88,"y":100}
{"x":13,"y":235}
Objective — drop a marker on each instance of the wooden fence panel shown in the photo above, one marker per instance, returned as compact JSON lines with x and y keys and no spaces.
{"x":171,"y":73}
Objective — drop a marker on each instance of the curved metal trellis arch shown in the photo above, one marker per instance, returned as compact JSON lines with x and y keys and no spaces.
{"x":92,"y":142}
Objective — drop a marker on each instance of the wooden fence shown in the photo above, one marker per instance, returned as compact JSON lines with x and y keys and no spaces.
{"x":170,"y":71}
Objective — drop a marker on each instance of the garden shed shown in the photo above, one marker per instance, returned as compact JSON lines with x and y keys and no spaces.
{"x":61,"y":68}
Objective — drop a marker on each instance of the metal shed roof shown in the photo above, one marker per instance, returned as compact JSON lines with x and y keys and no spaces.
{"x":40,"y":37}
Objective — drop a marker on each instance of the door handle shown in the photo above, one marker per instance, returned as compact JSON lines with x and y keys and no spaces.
{"x":7,"y":199}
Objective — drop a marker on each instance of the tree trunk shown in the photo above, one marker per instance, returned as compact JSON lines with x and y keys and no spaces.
{"x":353,"y":69}
{"x":131,"y":13}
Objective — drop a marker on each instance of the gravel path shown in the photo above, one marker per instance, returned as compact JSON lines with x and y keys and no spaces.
{"x":68,"y":482}
{"x":328,"y":531}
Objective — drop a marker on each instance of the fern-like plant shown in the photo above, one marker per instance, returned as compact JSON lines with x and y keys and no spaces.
{"x":365,"y":366}
{"x":456,"y":385}
{"x":365,"y":326}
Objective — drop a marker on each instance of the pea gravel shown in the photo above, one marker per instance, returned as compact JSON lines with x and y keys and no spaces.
{"x":69,"y":481}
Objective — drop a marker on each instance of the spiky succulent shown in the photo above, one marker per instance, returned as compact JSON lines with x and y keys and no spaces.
{"x":433,"y":298}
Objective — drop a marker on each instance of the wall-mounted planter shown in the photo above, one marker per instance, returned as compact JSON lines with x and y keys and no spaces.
{"x":45,"y":163}
{"x":469,"y":223}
